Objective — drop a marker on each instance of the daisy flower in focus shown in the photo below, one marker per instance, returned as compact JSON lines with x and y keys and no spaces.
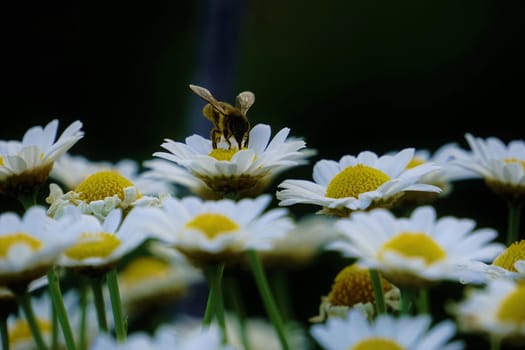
{"x":419,"y":250}
{"x":165,"y":338}
{"x":358,"y":183}
{"x":386,"y":332}
{"x":501,"y":166}
{"x":352,"y":288}
{"x":510,"y":263}
{"x":29,"y":246}
{"x":26,"y":164}
{"x":70,"y":170}
{"x":213,"y":231}
{"x":98,"y":245}
{"x":99,"y":194}
{"x":233,"y":172}
{"x":496,"y":310}
{"x":153,"y":280}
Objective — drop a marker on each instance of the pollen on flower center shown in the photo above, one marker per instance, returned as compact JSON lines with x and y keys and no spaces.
{"x":512,"y":308}
{"x":414,"y":162}
{"x":7,"y":241}
{"x":377,"y":343}
{"x":515,"y":160}
{"x":354,"y":180}
{"x":352,"y":286}
{"x":414,"y":245}
{"x":212,"y":224}
{"x":20,"y":330}
{"x":222,"y":153}
{"x":507,"y":258}
{"x":103,"y":184}
{"x":93,"y":245}
{"x":144,"y":268}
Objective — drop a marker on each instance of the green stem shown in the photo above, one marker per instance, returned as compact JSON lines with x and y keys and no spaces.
{"x":215,"y":298}
{"x":236,"y":301}
{"x":513,"y":220}
{"x":83,"y":315}
{"x":54,"y":328}
{"x":377,"y":286}
{"x":422,"y":301}
{"x":116,"y":305}
{"x":58,"y":305}
{"x":25,"y":303}
{"x":210,"y":308}
{"x":282,"y":293}
{"x":3,"y":331}
{"x":269,"y":302}
{"x":407,"y":297}
{"x":98,"y":297}
{"x":495,"y":342}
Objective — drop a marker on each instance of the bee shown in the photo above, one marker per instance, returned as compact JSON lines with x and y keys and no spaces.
{"x":227,"y":120}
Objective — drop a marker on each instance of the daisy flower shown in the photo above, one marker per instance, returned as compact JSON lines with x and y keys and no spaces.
{"x":98,"y":245}
{"x":357,"y":183}
{"x":234,"y":172}
{"x":213,"y":231}
{"x":29,"y":246}
{"x":70,"y":170}
{"x":352,"y":288}
{"x":496,"y":310}
{"x":25,"y":165}
{"x":510,"y":263}
{"x":501,"y":166}
{"x":418,"y":250}
{"x":387,"y":332}
{"x":99,"y":194}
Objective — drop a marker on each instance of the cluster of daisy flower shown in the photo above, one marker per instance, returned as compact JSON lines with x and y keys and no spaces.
{"x":113,"y":255}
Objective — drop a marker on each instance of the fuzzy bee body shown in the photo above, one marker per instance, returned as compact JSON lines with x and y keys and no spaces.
{"x":227,"y":120}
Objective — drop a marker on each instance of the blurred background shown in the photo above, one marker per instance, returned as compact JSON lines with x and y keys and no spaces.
{"x":345,"y":75}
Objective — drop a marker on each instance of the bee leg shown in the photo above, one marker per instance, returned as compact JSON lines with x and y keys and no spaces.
{"x":215,"y":136}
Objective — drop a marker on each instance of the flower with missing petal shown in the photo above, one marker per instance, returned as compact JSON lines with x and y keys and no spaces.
{"x":357,"y":183}
{"x":213,"y":231}
{"x":419,"y":250}
{"x":97,"y":195}
{"x":98,"y":246}
{"x":352,"y":288}
{"x":71,"y":170}
{"x":497,"y":310}
{"x":238,"y":173}
{"x":25,"y":165}
{"x":501,"y":166}
{"x":355,"y":332}
{"x":29,"y":246}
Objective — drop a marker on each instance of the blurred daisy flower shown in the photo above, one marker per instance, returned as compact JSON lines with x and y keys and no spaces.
{"x":98,"y":246}
{"x":29,"y":246}
{"x":70,"y":170}
{"x":352,"y":288}
{"x":495,"y":310}
{"x":510,"y":263}
{"x":419,"y":250}
{"x":500,"y":165}
{"x":99,"y":194}
{"x":156,"y":279}
{"x":26,"y":164}
{"x":358,"y":183}
{"x":386,"y":332}
{"x":165,"y":338}
{"x":230,"y":172}
{"x":213,"y":231}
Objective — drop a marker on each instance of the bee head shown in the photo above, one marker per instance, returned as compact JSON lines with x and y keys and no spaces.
{"x":239,"y":126}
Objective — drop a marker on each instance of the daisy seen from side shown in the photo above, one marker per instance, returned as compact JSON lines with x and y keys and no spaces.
{"x":359,"y":182}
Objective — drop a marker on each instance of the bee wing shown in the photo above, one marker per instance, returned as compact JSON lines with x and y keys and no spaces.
{"x":244,"y":101}
{"x":206,"y":95}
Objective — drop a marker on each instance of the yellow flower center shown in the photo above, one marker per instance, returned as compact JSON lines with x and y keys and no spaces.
{"x":515,"y":160}
{"x":144,"y":268}
{"x":212,"y":224}
{"x":20,"y":330}
{"x":507,"y":258}
{"x":1,"y":161}
{"x":7,"y":241}
{"x":103,"y":184}
{"x":377,"y":344}
{"x":93,"y":245}
{"x":414,"y":245}
{"x":513,"y":307}
{"x":354,"y":180}
{"x":352,"y":286}
{"x":414,"y":162}
{"x":223,"y":154}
